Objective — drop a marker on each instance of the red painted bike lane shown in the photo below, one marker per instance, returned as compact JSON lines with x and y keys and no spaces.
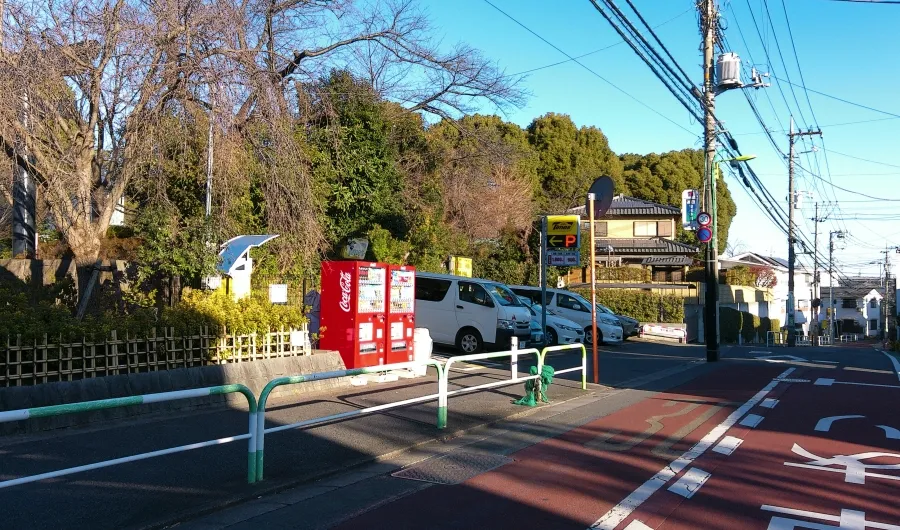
{"x":572,"y":480}
{"x":825,"y":455}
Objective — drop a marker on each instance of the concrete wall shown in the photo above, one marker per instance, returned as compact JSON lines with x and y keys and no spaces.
{"x":254,"y":375}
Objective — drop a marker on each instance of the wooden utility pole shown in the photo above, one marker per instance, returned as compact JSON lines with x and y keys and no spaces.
{"x":708,"y":24}
{"x":792,"y":199}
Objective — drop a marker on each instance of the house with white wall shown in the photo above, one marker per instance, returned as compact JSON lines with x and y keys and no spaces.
{"x":777,"y":307}
{"x":857,"y":310}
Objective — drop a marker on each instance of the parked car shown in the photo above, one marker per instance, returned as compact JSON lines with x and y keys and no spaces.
{"x":629,"y":325}
{"x":559,"y":330}
{"x":575,"y":308}
{"x":470,"y":313}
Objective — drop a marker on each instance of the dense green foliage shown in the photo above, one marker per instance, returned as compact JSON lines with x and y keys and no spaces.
{"x":733,"y":323}
{"x":29,"y":314}
{"x":641,"y":305}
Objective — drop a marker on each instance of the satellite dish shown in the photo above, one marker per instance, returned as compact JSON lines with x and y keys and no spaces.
{"x":602,"y":188}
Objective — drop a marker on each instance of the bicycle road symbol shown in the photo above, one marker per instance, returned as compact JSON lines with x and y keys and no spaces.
{"x":664,"y":447}
{"x":855,"y":471}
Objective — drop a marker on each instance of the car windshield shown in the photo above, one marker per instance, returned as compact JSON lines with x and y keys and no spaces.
{"x":502,"y":295}
{"x":600,"y":308}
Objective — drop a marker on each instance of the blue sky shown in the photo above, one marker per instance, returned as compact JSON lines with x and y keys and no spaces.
{"x":848,"y":50}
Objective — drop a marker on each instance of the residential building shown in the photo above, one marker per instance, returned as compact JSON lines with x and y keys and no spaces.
{"x":639,"y":234}
{"x":858,"y":309}
{"x":777,"y":307}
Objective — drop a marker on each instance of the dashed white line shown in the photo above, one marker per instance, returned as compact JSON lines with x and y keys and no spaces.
{"x":751,"y":420}
{"x":629,"y":504}
{"x":728,"y":445}
{"x":769,"y":403}
{"x":690,"y":482}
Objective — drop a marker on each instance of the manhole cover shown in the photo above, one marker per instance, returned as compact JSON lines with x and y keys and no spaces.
{"x":453,"y":468}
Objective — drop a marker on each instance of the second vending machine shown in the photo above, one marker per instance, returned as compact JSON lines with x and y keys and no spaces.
{"x":401,"y":313}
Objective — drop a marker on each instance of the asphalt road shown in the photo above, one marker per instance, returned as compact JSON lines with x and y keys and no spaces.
{"x":174,"y":487}
{"x":772,"y":439}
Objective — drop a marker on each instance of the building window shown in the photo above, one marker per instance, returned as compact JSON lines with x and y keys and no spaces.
{"x":848,"y":303}
{"x":873,"y":303}
{"x":644,"y":228}
{"x":873,"y":325}
{"x":600,"y":228}
{"x":664,"y":228}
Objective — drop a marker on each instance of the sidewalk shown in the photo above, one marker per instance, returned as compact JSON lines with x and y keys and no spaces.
{"x":332,"y":500}
{"x":161,"y":491}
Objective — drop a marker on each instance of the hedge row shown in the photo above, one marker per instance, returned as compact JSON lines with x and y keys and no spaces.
{"x":641,"y":305}
{"x":749,"y":326}
{"x":32,"y":314}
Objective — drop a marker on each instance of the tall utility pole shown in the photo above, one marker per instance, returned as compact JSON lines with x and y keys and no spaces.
{"x":816,"y":283}
{"x":708,"y":24}
{"x":792,"y":333}
{"x":831,"y":303}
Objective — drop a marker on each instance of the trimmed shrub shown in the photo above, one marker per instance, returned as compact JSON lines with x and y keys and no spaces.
{"x":749,"y":326}
{"x":641,"y":305}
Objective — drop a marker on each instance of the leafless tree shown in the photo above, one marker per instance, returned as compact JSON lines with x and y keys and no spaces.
{"x":86,"y":81}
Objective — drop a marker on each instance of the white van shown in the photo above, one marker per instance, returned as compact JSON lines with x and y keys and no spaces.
{"x":470,"y":313}
{"x":576,"y":308}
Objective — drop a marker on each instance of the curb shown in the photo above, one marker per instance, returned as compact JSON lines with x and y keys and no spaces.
{"x":255,"y":492}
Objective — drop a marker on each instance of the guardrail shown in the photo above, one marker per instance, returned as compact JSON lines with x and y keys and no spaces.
{"x":257,"y":430}
{"x":443,"y":385}
{"x":565,"y":347}
{"x":774,"y":338}
{"x":144,"y":399}
{"x":296,"y":379}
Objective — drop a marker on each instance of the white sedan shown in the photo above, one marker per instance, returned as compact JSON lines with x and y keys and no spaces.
{"x":559,"y":330}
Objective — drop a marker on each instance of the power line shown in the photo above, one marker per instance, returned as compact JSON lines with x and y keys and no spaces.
{"x":579,"y":63}
{"x":860,"y":158}
{"x":598,"y":50}
{"x":842,"y":100}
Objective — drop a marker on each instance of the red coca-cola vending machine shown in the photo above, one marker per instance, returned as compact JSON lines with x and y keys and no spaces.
{"x":353,"y":311}
{"x":401,"y":313}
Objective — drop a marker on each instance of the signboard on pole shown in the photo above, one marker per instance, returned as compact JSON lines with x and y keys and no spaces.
{"x":460,"y":266}
{"x":564,"y":258}
{"x":690,"y":206}
{"x":564,"y":232}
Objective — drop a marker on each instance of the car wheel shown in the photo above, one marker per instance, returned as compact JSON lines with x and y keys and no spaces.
{"x":469,"y":341}
{"x":552,"y":338}
{"x":589,"y":337}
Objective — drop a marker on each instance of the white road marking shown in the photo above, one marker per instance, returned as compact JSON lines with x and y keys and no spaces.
{"x":855,"y":471}
{"x":629,"y":504}
{"x":894,"y":362}
{"x":690,"y":482}
{"x":755,"y":352}
{"x":751,"y":420}
{"x":827,"y":362}
{"x":833,"y":382}
{"x":849,"y":519}
{"x":889,"y":432}
{"x":824,"y":425}
{"x":824,"y":381}
{"x":637,"y":525}
{"x":769,"y":403}
{"x":781,"y":358}
{"x":728,"y":445}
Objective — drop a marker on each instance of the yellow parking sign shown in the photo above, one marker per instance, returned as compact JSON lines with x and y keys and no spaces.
{"x":563,"y":232}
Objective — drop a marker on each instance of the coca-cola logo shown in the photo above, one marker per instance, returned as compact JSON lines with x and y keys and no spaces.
{"x":345,"y":291}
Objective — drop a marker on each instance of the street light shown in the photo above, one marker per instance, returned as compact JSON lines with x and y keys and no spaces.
{"x":712,"y":265}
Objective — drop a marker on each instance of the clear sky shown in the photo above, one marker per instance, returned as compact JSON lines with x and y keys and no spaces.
{"x":847,"y":50}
